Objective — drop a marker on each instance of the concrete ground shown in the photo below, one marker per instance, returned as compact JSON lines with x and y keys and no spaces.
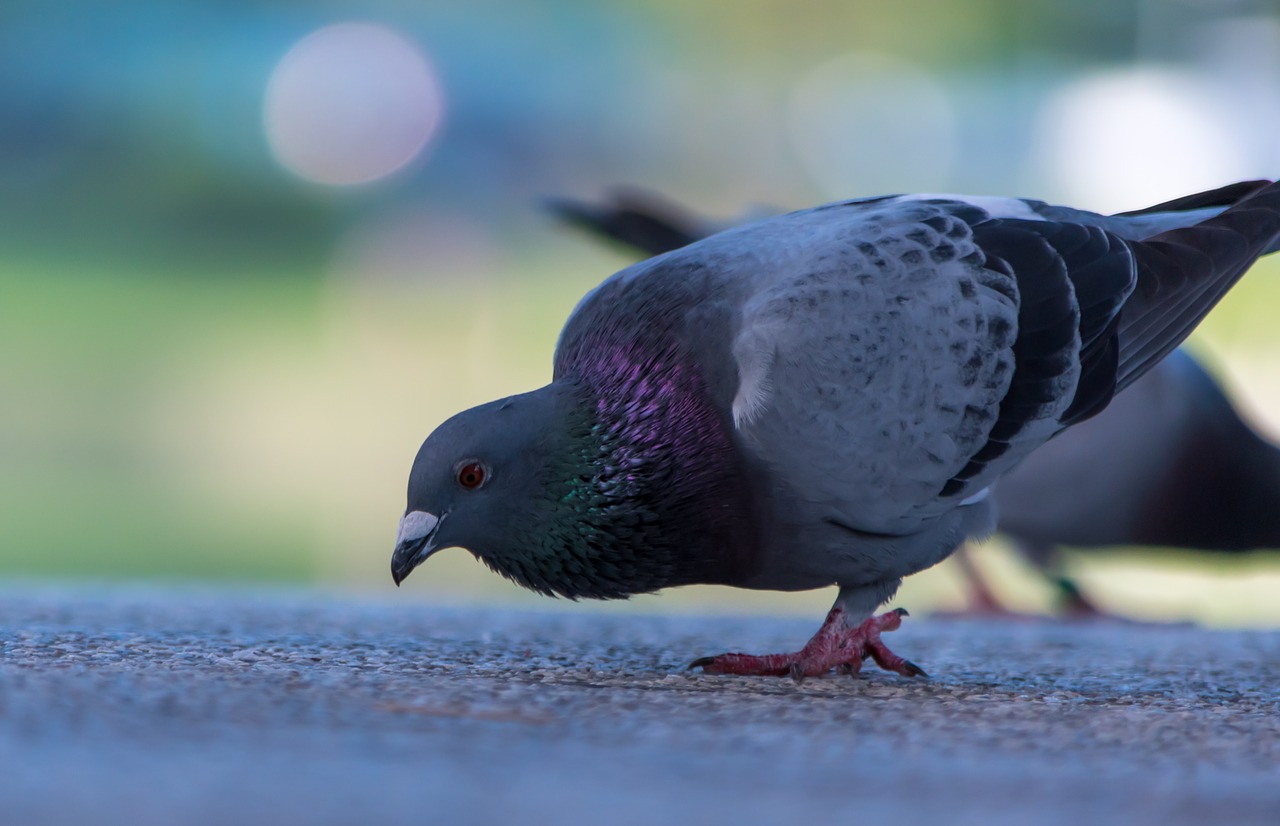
{"x":200,"y":707}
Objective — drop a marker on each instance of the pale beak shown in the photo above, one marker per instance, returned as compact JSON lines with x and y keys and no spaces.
{"x":413,"y":542}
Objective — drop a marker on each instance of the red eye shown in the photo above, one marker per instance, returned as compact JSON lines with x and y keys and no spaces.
{"x":471,"y":475}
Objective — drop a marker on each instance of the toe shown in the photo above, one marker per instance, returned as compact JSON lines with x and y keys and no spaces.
{"x":910,"y":669}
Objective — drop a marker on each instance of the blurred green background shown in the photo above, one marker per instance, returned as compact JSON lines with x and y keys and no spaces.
{"x":251,"y":253}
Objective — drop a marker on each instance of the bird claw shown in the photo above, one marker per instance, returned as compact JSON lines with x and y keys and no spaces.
{"x":835,"y":646}
{"x":914,"y":670}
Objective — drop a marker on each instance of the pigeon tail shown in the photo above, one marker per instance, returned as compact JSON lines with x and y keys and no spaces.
{"x":1183,"y":273}
{"x":632,"y":218}
{"x":1223,"y":196}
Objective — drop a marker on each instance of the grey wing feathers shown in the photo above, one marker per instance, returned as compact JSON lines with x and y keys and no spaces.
{"x":904,"y":352}
{"x":939,"y":347}
{"x":1071,"y":281}
{"x":877,"y":369}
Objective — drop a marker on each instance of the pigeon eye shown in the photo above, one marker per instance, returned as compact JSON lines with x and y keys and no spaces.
{"x":471,"y":475}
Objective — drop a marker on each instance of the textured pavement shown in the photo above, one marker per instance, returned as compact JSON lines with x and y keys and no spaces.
{"x":204,"y":707}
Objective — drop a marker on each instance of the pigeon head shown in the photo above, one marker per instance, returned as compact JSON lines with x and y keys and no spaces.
{"x":477,"y":481}
{"x":581,"y":490}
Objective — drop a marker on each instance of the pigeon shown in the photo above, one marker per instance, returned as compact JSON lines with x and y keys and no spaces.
{"x":1183,"y":468}
{"x":638,"y":219}
{"x":822,"y":397}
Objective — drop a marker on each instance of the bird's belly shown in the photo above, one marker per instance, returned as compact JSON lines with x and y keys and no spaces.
{"x":810,"y":550}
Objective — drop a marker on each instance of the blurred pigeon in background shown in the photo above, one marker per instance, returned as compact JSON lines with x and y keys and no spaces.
{"x":1170,"y":463}
{"x":1181,"y":470}
{"x":824,"y":397}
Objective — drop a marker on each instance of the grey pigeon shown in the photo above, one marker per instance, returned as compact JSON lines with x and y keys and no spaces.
{"x":1170,"y":462}
{"x":824,"y":397}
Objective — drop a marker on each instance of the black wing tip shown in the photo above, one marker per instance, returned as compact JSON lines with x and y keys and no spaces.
{"x":1223,"y":196}
{"x":1184,"y":272}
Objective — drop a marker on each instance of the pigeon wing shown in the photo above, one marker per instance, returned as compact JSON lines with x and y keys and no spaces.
{"x":935,"y":346}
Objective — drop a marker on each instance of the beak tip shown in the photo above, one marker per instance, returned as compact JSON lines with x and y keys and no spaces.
{"x":413,"y":543}
{"x":405,"y":559}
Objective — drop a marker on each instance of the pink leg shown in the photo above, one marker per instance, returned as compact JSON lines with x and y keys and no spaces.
{"x":836,"y":645}
{"x":982,"y":600}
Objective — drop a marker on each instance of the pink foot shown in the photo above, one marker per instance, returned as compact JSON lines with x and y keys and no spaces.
{"x":836,"y":645}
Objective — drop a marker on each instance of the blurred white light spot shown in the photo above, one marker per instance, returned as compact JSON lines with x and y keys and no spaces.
{"x":351,"y":103}
{"x":1120,"y":140}
{"x":864,"y":124}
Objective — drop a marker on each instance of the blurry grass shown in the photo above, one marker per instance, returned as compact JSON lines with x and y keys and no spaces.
{"x":258,"y":424}
{"x":122,"y":528}
{"x":86,"y":354}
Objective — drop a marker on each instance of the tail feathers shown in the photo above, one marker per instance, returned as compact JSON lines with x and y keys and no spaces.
{"x":1223,"y":196}
{"x":633,"y":218}
{"x":1184,"y":272}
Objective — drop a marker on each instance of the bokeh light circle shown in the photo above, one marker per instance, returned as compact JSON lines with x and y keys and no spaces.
{"x":351,"y":103}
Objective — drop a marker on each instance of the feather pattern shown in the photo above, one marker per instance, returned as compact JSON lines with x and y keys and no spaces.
{"x":825,"y":396}
{"x":929,"y":346}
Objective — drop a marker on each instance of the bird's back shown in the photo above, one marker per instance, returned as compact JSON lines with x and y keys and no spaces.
{"x":883,"y":361}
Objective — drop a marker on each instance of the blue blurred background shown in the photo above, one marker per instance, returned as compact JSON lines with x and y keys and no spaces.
{"x":252,"y":252}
